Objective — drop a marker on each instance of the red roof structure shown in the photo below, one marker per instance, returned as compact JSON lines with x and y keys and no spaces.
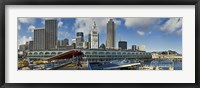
{"x":66,"y":55}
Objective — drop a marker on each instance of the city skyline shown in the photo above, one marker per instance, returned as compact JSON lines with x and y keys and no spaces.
{"x":157,"y":34}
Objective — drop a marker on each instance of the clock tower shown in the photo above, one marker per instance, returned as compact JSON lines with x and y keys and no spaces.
{"x":94,"y":37}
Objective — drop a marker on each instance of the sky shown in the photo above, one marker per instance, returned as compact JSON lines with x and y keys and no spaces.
{"x":157,"y":34}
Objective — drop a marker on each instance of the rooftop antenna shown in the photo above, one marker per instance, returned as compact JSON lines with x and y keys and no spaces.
{"x":94,"y":24}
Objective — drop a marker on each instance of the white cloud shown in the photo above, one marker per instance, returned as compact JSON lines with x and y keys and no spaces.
{"x":62,"y":35}
{"x":60,"y":23}
{"x":172,"y":25}
{"x":31,"y":28}
{"x":141,"y":23}
{"x":85,"y":24}
{"x":27,"y":20}
{"x":140,"y":33}
{"x":144,"y":24}
{"x":43,"y":22}
{"x":23,"y":40}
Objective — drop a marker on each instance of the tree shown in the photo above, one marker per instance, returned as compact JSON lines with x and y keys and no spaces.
{"x":23,"y":63}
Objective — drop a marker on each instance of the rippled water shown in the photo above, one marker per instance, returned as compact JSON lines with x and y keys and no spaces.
{"x":165,"y":64}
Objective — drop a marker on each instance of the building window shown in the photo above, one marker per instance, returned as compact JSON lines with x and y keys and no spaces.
{"x":114,"y":53}
{"x":53,"y":53}
{"x":35,"y":53}
{"x":119,"y":53}
{"x":87,"y":53}
{"x":41,"y":53}
{"x":47,"y":53}
{"x":94,"y":53}
{"x":101,"y":53}
{"x":107,"y":53}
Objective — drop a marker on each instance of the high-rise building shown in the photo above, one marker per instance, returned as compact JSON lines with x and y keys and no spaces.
{"x":79,"y":39}
{"x":58,"y":43}
{"x":122,"y":45}
{"x":27,"y":47}
{"x":89,"y":40}
{"x":30,"y":45}
{"x":85,"y":45}
{"x":79,"y":42}
{"x":141,"y":48}
{"x":65,"y":42}
{"x":111,"y":35}
{"x":39,"y":39}
{"x":80,"y":34}
{"x":73,"y":41}
{"x":134,"y":48}
{"x":94,"y":37}
{"x":50,"y":34}
{"x":22,"y":47}
{"x":102,"y":46}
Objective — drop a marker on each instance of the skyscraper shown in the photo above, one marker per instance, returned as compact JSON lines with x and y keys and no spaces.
{"x":79,"y":42}
{"x":74,"y":43}
{"x":102,"y":46}
{"x":122,"y":45}
{"x":79,"y":39}
{"x":94,"y":37}
{"x":80,"y":34}
{"x":58,"y":43}
{"x":89,"y":40}
{"x":85,"y":45}
{"x":50,"y":34}
{"x":134,"y":47}
{"x":22,"y":47}
{"x":27,"y":43}
{"x":39,"y":39}
{"x":65,"y":42}
{"x":30,"y":45}
{"x":111,"y":34}
{"x":73,"y":40}
{"x":141,"y":48}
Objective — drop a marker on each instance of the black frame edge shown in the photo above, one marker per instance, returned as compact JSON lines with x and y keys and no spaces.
{"x":89,"y":2}
{"x":2,"y":44}
{"x":102,"y":2}
{"x":197,"y":35}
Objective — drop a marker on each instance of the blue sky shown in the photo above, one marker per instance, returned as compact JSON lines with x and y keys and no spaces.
{"x":157,"y":34}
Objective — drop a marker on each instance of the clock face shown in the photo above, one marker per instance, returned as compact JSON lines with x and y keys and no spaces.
{"x":94,"y":40}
